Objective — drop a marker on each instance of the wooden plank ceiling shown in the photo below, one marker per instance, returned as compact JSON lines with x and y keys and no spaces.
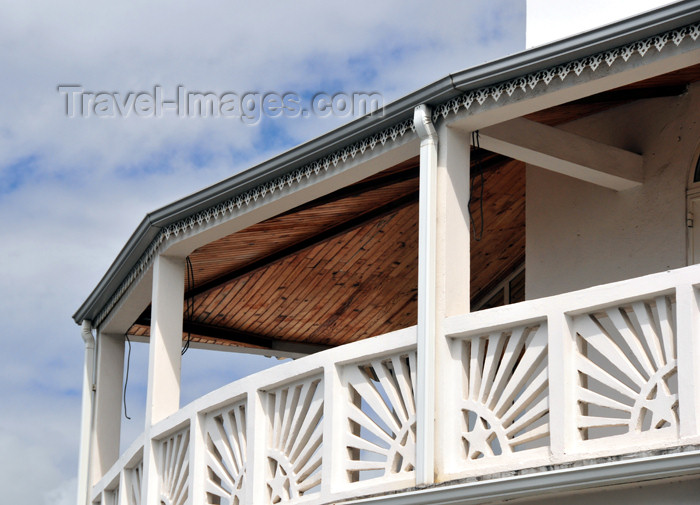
{"x":344,"y":267}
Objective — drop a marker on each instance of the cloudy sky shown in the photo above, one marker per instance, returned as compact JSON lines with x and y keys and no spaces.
{"x":72,"y":189}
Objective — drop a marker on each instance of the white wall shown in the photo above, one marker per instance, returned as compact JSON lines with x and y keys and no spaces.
{"x":549,"y":20}
{"x":580,"y":235}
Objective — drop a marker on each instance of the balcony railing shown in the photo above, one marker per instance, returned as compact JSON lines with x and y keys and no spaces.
{"x":605,"y":371}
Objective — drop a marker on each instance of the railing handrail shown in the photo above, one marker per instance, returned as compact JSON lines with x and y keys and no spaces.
{"x":571,"y":302}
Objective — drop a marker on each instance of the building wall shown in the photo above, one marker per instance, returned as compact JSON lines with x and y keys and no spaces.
{"x":580,"y":235}
{"x":548,"y":21}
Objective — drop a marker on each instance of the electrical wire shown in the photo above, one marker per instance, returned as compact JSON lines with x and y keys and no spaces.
{"x":126,"y":380}
{"x":479,"y":173}
{"x":189,"y":309}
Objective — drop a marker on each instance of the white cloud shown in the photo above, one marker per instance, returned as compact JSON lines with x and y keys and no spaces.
{"x":73,"y":190}
{"x":64,"y":494}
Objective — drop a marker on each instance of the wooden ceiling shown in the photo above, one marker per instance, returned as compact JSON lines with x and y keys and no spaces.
{"x":344,"y":267}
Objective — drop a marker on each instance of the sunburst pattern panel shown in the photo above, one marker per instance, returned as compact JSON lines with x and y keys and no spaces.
{"x":381,"y":428}
{"x":504,"y":392}
{"x":626,"y":361}
{"x":175,"y":468}
{"x":226,"y":455}
{"x":295,"y":439}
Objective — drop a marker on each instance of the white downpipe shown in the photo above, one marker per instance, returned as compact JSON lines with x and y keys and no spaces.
{"x":425,"y":395}
{"x":86,"y":414}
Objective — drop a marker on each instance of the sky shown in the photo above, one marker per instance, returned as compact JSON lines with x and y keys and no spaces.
{"x":73,"y":189}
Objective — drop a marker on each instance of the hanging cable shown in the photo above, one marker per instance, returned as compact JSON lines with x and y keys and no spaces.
{"x":126,"y":379}
{"x":189,"y":308}
{"x":479,"y":173}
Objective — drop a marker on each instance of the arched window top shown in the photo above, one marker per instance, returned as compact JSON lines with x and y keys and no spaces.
{"x":696,"y":176}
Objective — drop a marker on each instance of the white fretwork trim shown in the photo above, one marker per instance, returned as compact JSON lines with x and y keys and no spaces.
{"x":527,"y":83}
{"x":473,"y":99}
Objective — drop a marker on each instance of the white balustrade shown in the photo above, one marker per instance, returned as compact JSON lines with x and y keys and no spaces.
{"x":380,"y":432}
{"x":295,"y":437}
{"x":562,"y":379}
{"x":174,"y":469}
{"x":504,"y":398}
{"x":226,"y":453}
{"x":132,"y":484}
{"x":626,"y":360}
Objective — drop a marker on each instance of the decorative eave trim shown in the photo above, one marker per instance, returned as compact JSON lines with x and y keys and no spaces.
{"x":528,"y":82}
{"x":470,"y":100}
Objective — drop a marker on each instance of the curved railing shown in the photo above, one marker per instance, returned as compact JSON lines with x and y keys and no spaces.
{"x":600,"y":372}
{"x":325,"y":427}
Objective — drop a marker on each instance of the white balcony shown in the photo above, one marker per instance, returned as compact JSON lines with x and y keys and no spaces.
{"x":573,"y":380}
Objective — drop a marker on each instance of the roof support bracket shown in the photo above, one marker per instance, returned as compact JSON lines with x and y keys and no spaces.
{"x":565,"y":153}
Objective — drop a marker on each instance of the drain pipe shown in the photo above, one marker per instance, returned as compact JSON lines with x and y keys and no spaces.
{"x":427,"y":220}
{"x":86,"y":415}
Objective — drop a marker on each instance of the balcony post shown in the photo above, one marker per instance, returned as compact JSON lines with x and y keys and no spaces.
{"x":452,"y":284}
{"x":198,"y":471}
{"x":334,"y":454}
{"x":688,"y":359}
{"x":108,"y":402}
{"x":164,"y":359}
{"x":562,"y":376}
{"x":257,"y":426}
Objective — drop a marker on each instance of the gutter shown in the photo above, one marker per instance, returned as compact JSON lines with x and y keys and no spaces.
{"x":86,"y":413}
{"x":427,"y":220}
{"x":602,"y":39}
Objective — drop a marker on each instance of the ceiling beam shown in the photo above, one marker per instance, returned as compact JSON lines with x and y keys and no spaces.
{"x":630,"y":94}
{"x":565,"y":153}
{"x":281,"y":347}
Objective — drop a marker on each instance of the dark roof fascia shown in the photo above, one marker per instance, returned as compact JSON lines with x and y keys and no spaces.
{"x":516,"y":65}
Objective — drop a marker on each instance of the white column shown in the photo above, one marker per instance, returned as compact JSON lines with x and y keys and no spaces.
{"x":688,"y":355}
{"x":108,"y":403}
{"x":164,"y":359}
{"x":452,"y":293}
{"x":164,"y":355}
